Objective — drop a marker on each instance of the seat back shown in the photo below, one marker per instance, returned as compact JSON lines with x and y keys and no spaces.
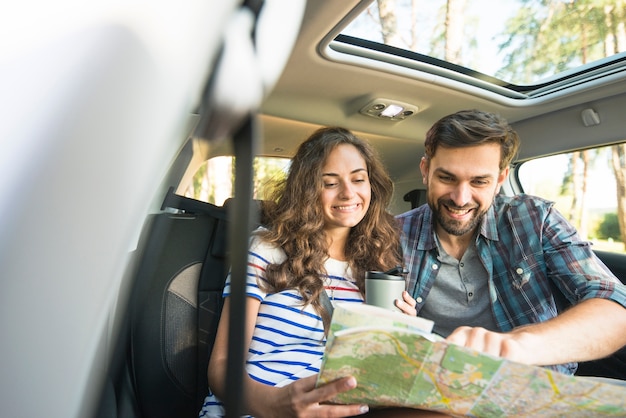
{"x":174,"y":311}
{"x":416,"y":197}
{"x":613,"y":366}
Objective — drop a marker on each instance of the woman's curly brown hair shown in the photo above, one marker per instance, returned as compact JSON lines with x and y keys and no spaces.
{"x":295,"y":221}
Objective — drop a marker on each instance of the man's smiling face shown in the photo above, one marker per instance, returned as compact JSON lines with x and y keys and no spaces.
{"x":461,"y":184}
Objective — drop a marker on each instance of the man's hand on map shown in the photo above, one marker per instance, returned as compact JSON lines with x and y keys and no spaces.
{"x":581,"y":333}
{"x":494,"y":343}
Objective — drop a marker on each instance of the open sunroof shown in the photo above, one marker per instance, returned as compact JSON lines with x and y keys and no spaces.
{"x":525,"y":47}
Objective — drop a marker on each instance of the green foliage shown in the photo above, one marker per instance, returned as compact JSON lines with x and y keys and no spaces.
{"x":215,"y":179}
{"x":197,"y":181}
{"x":547,"y":37}
{"x":269,"y":172}
{"x":609,"y":227}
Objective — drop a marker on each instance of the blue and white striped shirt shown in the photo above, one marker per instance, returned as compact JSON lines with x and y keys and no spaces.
{"x":288,"y":341}
{"x":529,"y":251}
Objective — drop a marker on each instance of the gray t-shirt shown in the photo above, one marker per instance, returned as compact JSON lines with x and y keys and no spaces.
{"x":460,"y":294}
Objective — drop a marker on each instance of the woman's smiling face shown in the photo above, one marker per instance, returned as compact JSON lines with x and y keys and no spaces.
{"x":347,"y":191}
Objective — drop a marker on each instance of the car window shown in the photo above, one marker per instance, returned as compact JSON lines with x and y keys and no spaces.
{"x":214,"y":180}
{"x":527,"y":47}
{"x":585,"y":186}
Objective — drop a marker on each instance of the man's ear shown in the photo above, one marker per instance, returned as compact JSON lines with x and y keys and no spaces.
{"x":503,"y":175}
{"x":501,"y":178}
{"x":424,"y":170}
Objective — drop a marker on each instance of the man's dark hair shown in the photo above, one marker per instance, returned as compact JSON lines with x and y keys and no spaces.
{"x":473,"y":127}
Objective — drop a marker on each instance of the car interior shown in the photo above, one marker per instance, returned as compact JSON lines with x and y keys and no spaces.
{"x":122,"y":123}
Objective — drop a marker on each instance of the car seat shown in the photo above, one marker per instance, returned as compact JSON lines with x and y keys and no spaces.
{"x":174,"y":309}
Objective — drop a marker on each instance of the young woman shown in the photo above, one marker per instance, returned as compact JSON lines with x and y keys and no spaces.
{"x":327,"y":225}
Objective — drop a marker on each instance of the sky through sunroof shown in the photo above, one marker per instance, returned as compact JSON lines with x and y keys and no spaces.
{"x":543,"y":39}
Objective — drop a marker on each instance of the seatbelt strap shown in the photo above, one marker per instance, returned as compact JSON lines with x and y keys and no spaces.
{"x":243,"y":216}
{"x":326,"y":304}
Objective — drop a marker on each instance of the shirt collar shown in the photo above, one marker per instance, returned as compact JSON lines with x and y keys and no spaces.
{"x":489,"y":229}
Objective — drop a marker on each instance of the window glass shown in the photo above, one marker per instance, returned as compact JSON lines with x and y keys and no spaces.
{"x":214,"y":181}
{"x":585,"y":187}
{"x":521,"y":42}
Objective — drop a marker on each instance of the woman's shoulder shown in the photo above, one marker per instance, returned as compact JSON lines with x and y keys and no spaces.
{"x":260,"y":246}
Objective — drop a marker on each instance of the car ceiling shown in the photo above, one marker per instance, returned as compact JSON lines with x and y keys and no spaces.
{"x":315,"y":91}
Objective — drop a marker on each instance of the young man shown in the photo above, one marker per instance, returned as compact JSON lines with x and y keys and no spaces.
{"x":506,"y":275}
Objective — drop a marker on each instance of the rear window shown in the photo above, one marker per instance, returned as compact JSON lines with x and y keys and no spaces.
{"x":585,"y":186}
{"x":214,"y":181}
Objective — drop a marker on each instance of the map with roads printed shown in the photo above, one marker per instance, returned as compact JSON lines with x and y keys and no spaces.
{"x":397,"y":362}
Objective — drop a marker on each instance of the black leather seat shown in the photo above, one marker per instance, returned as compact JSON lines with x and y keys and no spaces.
{"x":416,"y":197}
{"x":173,"y":313}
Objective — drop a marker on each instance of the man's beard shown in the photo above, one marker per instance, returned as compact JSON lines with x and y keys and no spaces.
{"x":454,"y":227}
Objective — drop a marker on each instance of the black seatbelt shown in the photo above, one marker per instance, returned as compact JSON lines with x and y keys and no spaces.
{"x":243,"y":217}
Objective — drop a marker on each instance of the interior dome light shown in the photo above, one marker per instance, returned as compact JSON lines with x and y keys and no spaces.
{"x":387,"y":109}
{"x":391,"y":111}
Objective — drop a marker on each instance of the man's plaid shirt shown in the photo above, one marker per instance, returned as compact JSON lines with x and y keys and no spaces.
{"x":537,"y":262}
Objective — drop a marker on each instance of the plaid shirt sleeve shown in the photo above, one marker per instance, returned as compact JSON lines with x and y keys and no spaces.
{"x":538,"y":254}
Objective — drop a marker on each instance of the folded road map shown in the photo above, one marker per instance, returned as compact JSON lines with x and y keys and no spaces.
{"x":398,"y":362}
